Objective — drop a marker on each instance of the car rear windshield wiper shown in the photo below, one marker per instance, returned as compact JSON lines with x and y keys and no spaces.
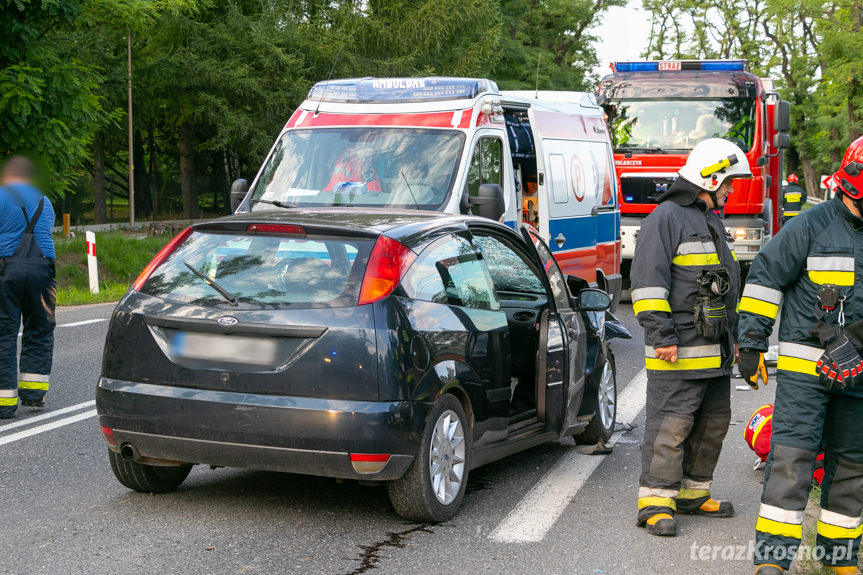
{"x":222,"y":291}
{"x":276,"y":203}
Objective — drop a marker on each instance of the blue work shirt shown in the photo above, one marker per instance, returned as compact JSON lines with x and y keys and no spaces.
{"x":13,"y":224}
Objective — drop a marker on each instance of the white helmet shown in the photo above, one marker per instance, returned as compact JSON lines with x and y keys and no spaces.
{"x":713,"y":161}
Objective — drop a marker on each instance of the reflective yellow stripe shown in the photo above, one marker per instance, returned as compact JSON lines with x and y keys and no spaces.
{"x":696,"y":260}
{"x":777,"y":528}
{"x":790,"y":213}
{"x":835,"y":532}
{"x":692,"y":493}
{"x":656,"y":502}
{"x":793,"y":197}
{"x":8,"y":401}
{"x":43,"y":385}
{"x":683,"y":364}
{"x":651,"y":305}
{"x":838,"y":278}
{"x":786,"y":363}
{"x":759,"y":307}
{"x":758,"y":429}
{"x":733,"y":255}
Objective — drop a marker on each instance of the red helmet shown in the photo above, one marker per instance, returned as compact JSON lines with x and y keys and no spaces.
{"x":849,"y":177}
{"x":792,"y":179}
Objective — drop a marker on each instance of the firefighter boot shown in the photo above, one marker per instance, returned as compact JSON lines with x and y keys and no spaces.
{"x":699,"y":502}
{"x":768,"y":569}
{"x":663,"y":524}
{"x":849,"y":570}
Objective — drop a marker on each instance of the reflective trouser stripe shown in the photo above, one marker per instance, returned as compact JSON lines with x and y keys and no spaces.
{"x":685,"y":493}
{"x":798,"y":358}
{"x":656,"y":502}
{"x":831,"y":270}
{"x":651,"y":305}
{"x":836,"y":532}
{"x":778,"y":528}
{"x":696,"y":260}
{"x":8,"y":397}
{"x":780,"y":515}
{"x":41,"y":385}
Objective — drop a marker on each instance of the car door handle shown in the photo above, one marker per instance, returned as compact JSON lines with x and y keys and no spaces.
{"x":560,"y":240}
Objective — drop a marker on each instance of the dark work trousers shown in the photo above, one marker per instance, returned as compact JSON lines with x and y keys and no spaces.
{"x":28,"y":293}
{"x":805,"y":418}
{"x":687,"y":419}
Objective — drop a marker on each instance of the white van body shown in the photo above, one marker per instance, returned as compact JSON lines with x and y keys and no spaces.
{"x":428,"y":143}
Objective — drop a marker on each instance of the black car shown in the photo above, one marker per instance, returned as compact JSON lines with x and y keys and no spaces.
{"x":405,"y":347}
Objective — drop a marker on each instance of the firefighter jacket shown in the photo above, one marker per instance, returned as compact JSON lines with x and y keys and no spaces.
{"x":823,"y":245}
{"x":680,"y":238}
{"x":793,"y":199}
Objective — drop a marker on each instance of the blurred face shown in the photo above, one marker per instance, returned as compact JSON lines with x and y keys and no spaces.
{"x":723,"y":192}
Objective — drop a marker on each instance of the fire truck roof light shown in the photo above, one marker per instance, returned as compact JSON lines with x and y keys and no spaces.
{"x":400,"y":89}
{"x":682,"y":65}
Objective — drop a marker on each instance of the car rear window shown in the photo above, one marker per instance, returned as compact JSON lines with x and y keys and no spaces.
{"x":262,"y":271}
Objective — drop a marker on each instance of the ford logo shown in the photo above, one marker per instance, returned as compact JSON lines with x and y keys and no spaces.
{"x":227,"y":320}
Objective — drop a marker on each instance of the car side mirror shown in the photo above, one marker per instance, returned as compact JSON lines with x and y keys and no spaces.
{"x":781,"y":141}
{"x":593,"y":299}
{"x":239,"y":189}
{"x":782,"y":116}
{"x":488,"y":201}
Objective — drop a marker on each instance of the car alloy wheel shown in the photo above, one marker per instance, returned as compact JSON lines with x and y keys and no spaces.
{"x":447,"y":457}
{"x":607,"y":399}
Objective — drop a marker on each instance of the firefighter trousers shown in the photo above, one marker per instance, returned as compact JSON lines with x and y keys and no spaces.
{"x":806,"y":417}
{"x":28,"y":294}
{"x":687,"y":419}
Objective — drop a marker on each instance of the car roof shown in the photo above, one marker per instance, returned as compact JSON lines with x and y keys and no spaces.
{"x":407,"y":226}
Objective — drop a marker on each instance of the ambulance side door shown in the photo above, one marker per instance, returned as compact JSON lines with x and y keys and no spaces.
{"x":489,"y":162}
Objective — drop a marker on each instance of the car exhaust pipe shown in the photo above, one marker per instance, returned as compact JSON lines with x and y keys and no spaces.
{"x":127,"y":452}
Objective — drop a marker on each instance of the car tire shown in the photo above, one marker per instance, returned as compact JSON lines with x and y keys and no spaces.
{"x":432,"y":488}
{"x":604,"y":391}
{"x":147,"y":478}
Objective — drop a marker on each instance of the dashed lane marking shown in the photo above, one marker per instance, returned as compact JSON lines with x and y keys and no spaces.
{"x":538,"y":511}
{"x":47,"y":427}
{"x":44,"y":416}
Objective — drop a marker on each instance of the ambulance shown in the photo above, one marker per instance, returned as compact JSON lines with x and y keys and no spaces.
{"x":454,"y":145}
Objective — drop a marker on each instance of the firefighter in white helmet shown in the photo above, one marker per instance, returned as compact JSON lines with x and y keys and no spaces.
{"x":685,"y":282}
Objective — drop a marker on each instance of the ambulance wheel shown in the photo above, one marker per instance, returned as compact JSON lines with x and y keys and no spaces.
{"x":432,"y":488}
{"x":603,"y":390}
{"x":147,"y":478}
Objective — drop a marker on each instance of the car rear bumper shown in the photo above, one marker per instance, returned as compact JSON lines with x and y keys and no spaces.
{"x":278,"y":433}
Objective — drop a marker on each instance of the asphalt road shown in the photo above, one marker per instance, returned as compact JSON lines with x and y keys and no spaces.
{"x":550,"y":510}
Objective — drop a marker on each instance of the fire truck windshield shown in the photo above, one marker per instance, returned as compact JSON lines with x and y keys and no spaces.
{"x":372,"y":167}
{"x":676,"y":126}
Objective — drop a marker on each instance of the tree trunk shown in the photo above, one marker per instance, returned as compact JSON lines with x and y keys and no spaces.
{"x":813,"y":182}
{"x":187,"y":172}
{"x":154,"y":186}
{"x":142,"y":180}
{"x":98,"y":179}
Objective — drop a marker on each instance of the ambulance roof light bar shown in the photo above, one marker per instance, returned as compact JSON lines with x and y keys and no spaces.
{"x":681,"y":65}
{"x":357,"y":90}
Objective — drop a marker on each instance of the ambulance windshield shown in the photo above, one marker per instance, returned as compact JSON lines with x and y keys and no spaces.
{"x":676,"y":126}
{"x":372,"y":167}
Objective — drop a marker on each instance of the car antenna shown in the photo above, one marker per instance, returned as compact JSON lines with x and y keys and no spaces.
{"x":327,"y":83}
{"x":416,"y":203}
{"x":538,"y":60}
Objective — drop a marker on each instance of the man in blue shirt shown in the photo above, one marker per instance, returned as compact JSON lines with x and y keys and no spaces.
{"x":28,"y":290}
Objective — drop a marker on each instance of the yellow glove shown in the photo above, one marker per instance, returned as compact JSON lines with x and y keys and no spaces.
{"x":751,"y":367}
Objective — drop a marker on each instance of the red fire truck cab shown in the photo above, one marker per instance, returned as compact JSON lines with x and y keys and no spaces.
{"x":658,"y":111}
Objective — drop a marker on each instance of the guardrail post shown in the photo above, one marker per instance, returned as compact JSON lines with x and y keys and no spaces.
{"x":91,"y":262}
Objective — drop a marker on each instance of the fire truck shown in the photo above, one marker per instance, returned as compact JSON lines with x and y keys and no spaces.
{"x":659,"y":110}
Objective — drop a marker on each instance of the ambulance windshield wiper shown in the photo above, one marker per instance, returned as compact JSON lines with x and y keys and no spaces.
{"x":276,"y":203}
{"x":222,"y":291}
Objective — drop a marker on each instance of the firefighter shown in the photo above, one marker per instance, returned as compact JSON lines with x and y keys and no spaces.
{"x":808,"y":270}
{"x":27,"y":288}
{"x":685,"y":283}
{"x":793,"y":198}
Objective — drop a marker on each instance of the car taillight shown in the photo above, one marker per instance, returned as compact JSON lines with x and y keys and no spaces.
{"x":160,"y":257}
{"x":109,"y":435}
{"x":387,"y":264}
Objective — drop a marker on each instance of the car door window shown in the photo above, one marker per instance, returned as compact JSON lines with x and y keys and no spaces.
{"x":555,"y":276}
{"x":508,"y":268}
{"x":451,"y":271}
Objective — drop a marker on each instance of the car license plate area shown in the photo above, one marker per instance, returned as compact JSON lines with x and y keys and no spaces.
{"x":222,"y":348}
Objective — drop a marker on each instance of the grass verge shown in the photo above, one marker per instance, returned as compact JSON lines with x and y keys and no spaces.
{"x":121,"y":257}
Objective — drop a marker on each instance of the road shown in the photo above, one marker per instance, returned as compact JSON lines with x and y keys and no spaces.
{"x":550,"y":510}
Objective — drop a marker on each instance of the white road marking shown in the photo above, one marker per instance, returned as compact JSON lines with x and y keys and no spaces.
{"x":537,"y":512}
{"x":47,"y":427}
{"x":44,"y":416}
{"x":85,"y":322}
